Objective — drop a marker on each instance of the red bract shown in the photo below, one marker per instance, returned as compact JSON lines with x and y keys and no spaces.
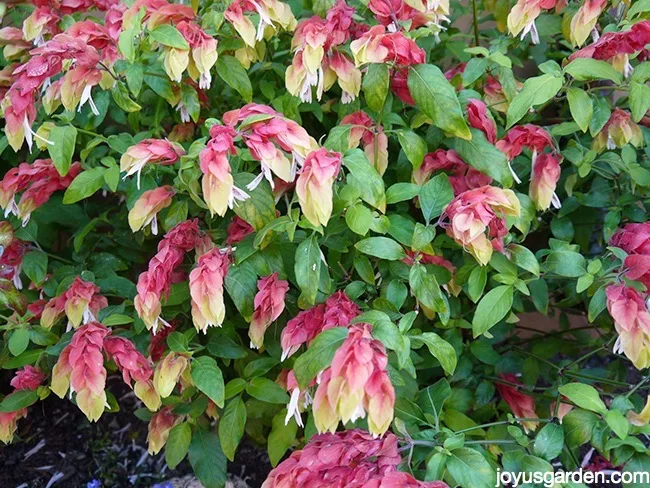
{"x":474,"y":212}
{"x":206,"y":289}
{"x":337,"y":311}
{"x":155,"y":282}
{"x":371,"y":136}
{"x":37,"y":182}
{"x":633,"y":238}
{"x":522,"y":406}
{"x":128,"y":359}
{"x":632,"y":321}
{"x":237,"y":230}
{"x":461,"y":176}
{"x":269,"y":304}
{"x":346,"y":459}
{"x":356,"y":384}
{"x":149,"y":151}
{"x":81,"y":368}
{"x":80,"y":303}
{"x":28,"y":378}
{"x":479,"y":117}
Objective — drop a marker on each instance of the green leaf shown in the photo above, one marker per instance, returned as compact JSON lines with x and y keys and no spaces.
{"x":319,"y":355}
{"x":28,"y":357}
{"x":532,"y":464}
{"x":439,"y":349}
{"x":358,"y":217}
{"x":381,"y":247}
{"x":259,"y":209}
{"x":167,"y":35}
{"x":338,"y":138}
{"x":17,"y":400}
{"x":18,"y":341}
{"x":549,"y":442}
{"x":639,"y":463}
{"x":584,"y":69}
{"x":524,"y":258}
{"x":400,"y":192}
{"x":584,"y":396}
{"x":84,"y":185}
{"x":435,"y":96}
{"x":435,"y":195}
{"x":281,"y":437}
{"x":570,"y":264}
{"x":483,"y":156}
{"x":190,"y":99}
{"x":117,"y":319}
{"x":639,"y":99}
{"x":426,"y":289}
{"x":241,"y":285}
{"x":178,"y":443}
{"x":618,"y":423}
{"x":597,"y":304}
{"x":493,"y":307}
{"x":121,"y":96}
{"x":126,"y":43}
{"x":233,"y":73}
{"x":581,"y":107}
{"x":365,"y":178}
{"x":578,"y":427}
{"x":207,"y":459}
{"x":474,"y":69}
{"x":207,"y":377}
{"x":422,"y":236}
{"x":413,"y":146}
{"x":231,"y":426}
{"x":470,"y":469}
{"x":35,"y":266}
{"x":476,"y":283}
{"x":375,"y":85}
{"x":62,"y":148}
{"x":112,"y":177}
{"x":134,"y":78}
{"x":536,"y":91}
{"x":432,"y":398}
{"x":267,"y":391}
{"x":307,"y":269}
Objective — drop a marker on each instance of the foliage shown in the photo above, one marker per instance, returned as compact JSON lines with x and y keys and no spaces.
{"x":279,"y":219}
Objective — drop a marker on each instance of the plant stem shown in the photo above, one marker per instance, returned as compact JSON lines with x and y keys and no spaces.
{"x":535,"y":356}
{"x":596,"y":379}
{"x":488,"y":442}
{"x":502,"y":422}
{"x":588,"y":355}
{"x":637,"y":386}
{"x":475,"y":15}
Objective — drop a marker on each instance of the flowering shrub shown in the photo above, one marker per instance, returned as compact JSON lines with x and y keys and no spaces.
{"x":332,"y":228}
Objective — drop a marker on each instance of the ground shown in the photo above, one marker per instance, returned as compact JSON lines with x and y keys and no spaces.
{"x":58,"y":447}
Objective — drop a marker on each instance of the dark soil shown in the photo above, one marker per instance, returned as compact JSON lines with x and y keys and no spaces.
{"x":56,"y":446}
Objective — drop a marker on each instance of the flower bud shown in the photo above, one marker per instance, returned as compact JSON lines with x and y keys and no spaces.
{"x":168,"y":372}
{"x":153,"y":151}
{"x":314,"y":185}
{"x":269,"y":304}
{"x":632,"y":322}
{"x":545,"y":175}
{"x":206,"y":289}
{"x":584,"y":21}
{"x":146,"y":208}
{"x":618,"y":132}
{"x":159,"y":426}
{"x":522,"y":406}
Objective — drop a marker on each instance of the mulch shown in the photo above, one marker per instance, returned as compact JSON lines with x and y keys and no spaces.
{"x":57,"y":447}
